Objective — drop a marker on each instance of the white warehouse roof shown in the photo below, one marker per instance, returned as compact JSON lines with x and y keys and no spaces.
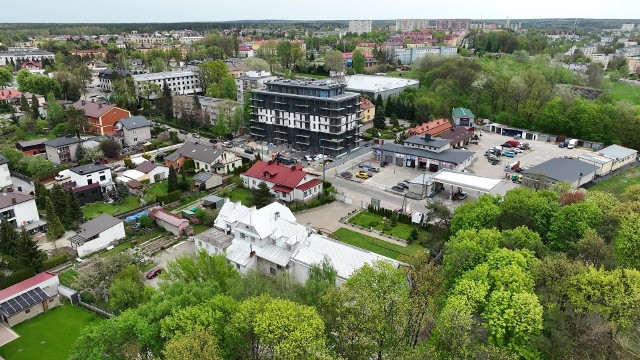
{"x":375,"y":83}
{"x":465,"y":180}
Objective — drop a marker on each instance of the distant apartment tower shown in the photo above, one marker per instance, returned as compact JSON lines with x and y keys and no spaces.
{"x":453,"y":24}
{"x":628,"y":27}
{"x":359,"y":26}
{"x":405,"y":25}
{"x":317,"y":116}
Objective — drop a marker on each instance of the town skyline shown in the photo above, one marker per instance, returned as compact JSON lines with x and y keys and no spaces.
{"x":145,"y":11}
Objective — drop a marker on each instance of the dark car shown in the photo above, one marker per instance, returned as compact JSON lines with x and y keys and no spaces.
{"x":383,"y":164}
{"x":506,"y":145}
{"x":213,"y":141}
{"x":248,"y":151}
{"x":154,"y":272}
{"x":346,"y":175}
{"x":397,"y":188}
{"x":367,"y":144}
{"x":403,"y":184}
{"x":183,"y":132}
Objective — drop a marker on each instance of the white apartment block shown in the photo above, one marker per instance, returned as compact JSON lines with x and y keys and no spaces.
{"x":628,"y":27}
{"x":252,"y":80}
{"x":405,"y":25}
{"x":180,"y":82}
{"x":359,"y":26}
{"x":409,"y":55}
{"x":6,"y":57}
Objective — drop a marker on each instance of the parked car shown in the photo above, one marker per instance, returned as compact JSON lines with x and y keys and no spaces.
{"x":154,"y":272}
{"x":370,"y":168}
{"x":183,"y":132}
{"x":563,"y":144}
{"x":459,"y":195}
{"x":308,"y":157}
{"x":119,"y":168}
{"x":367,"y":144}
{"x":346,"y":175}
{"x":572,"y":143}
{"x":197,"y":136}
{"x":517,"y":150}
{"x":512,"y":143}
{"x":383,"y":164}
{"x":397,"y":188}
{"x":248,"y":151}
{"x":362,"y":175}
{"x":507,"y":145}
{"x":492,"y":157}
{"x":227,"y":144}
{"x":63,"y":175}
{"x":494,"y":161}
{"x":404,"y":184}
{"x":509,"y":154}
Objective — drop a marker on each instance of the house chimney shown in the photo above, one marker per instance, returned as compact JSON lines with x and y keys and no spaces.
{"x":13,"y":200}
{"x":100,"y":106}
{"x":93,"y":100}
{"x":427,"y":137}
{"x":251,"y":252}
{"x":276,"y":215}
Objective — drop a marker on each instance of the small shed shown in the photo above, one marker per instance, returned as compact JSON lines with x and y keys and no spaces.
{"x":171,"y":222}
{"x":28,"y":298}
{"x":212,"y":202}
{"x":206,"y":180}
{"x":135,"y":187}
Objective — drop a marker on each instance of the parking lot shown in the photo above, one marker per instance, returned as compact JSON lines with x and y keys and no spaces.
{"x":538,"y":152}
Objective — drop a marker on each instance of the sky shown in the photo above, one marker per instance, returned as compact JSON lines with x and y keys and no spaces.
{"x":135,"y":11}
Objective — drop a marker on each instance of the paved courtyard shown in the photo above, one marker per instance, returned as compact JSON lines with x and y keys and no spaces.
{"x":186,"y":248}
{"x":6,"y":335}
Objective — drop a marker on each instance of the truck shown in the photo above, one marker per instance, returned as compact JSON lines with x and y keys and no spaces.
{"x":572,"y":143}
{"x":513,"y":143}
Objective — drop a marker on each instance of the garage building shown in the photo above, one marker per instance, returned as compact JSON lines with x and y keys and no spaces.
{"x":570,"y":170}
{"x":28,"y":298}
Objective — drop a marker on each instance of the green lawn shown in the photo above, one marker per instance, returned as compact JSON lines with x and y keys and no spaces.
{"x":159,"y":189}
{"x":373,"y":244}
{"x":93,"y":210}
{"x":618,"y":184}
{"x":50,"y":335}
{"x":370,"y":220}
{"x":622,"y":91}
{"x":241,"y":194}
{"x":67,"y":277}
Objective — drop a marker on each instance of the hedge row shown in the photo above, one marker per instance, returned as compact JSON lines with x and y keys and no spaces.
{"x":170,"y":197}
{"x":17,"y":276}
{"x":54,"y":261}
{"x":402,"y":218}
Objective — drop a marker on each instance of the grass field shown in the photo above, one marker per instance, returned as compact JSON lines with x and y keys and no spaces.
{"x":370,"y":220}
{"x":50,"y":335}
{"x":93,"y":210}
{"x":67,"y":277}
{"x":373,"y":244}
{"x":241,"y":194}
{"x":159,"y":189}
{"x":619,"y":183}
{"x":622,"y":91}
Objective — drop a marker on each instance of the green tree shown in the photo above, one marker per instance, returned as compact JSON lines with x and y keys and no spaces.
{"x":41,"y":193}
{"x":211,"y":74}
{"x":55,"y":112}
{"x":79,"y":153}
{"x":55,"y":230}
{"x":627,"y":242}
{"x":38,"y":167}
{"x":99,"y":278}
{"x":333,"y":60}
{"x":127,"y":289}
{"x":261,"y":196}
{"x":28,"y":251}
{"x":8,"y":238}
{"x":468,"y":248}
{"x":480,"y":214}
{"x":204,"y":268}
{"x":167,"y":102}
{"x":172,"y":180}
{"x":24,"y":104}
{"x":358,"y":62}
{"x":35,"y":107}
{"x":76,"y":121}
{"x":125,"y":95}
{"x":571,"y":222}
{"x":6,"y":78}
{"x":73,"y":213}
{"x":228,"y":88}
{"x":195,"y":345}
{"x":122,"y":191}
{"x":110,"y":148}
{"x":379,"y":121}
{"x":255,"y":64}
{"x":93,"y":154}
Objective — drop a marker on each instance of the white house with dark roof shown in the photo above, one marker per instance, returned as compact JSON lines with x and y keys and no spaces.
{"x":20,"y":210}
{"x":152,"y":172}
{"x":61,"y":150}
{"x":270,"y":241}
{"x":91,"y":174}
{"x":205,"y":157}
{"x":98,"y":234}
{"x":5,"y":175}
{"x":133,"y":130}
{"x":621,"y":155}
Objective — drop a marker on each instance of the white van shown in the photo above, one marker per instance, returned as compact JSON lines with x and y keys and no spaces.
{"x":572,"y":143}
{"x":63,"y":175}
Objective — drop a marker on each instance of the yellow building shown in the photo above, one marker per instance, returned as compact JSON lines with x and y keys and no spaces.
{"x":368,"y":110}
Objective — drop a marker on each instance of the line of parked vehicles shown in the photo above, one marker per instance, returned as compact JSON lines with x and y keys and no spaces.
{"x":509,"y":149}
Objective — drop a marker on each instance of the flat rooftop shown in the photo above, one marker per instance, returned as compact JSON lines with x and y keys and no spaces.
{"x":162,"y":75}
{"x":324,"y":84}
{"x":465,"y":180}
{"x":376,"y":83}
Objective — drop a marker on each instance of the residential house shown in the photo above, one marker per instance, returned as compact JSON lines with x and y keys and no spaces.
{"x":287,"y":183}
{"x":569,"y":170}
{"x":621,"y":155}
{"x":270,"y":241}
{"x":86,"y":194}
{"x":29,"y":298}
{"x":205,"y":180}
{"x":62,"y":150}
{"x":360,"y":26}
{"x":459,"y":136}
{"x":98,"y":234}
{"x":368,"y":110}
{"x":210,"y":107}
{"x":171,"y":222}
{"x":245,"y":51}
{"x":32,"y":147}
{"x":235,"y":68}
{"x":20,"y":210}
{"x":133,"y":130}
{"x":433,"y":128}
{"x":152,"y":172}
{"x":34,"y":67}
{"x":102,"y":116}
{"x":212,"y":202}
{"x":205,"y":157}
{"x":92,"y":53}
{"x":369,"y":60}
{"x":463,"y":117}
{"x":5,"y":174}
{"x":90,"y":182}
{"x":424,"y":153}
{"x":7,"y":95}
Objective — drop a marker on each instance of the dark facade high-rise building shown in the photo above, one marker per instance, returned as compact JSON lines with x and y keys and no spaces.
{"x":317,"y":116}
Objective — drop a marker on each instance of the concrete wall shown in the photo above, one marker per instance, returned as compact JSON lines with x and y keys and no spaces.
{"x":622,"y":162}
{"x":33,"y":311}
{"x":5,"y":176}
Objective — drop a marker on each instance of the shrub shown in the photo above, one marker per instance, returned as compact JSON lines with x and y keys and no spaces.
{"x":146,"y":156}
{"x":170,"y":197}
{"x":17,"y":276}
{"x":54,"y":261}
{"x":128,"y":163}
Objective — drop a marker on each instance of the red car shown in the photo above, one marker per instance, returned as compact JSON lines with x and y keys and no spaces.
{"x":154,"y":272}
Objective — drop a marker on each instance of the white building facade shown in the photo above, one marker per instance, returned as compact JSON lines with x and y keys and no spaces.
{"x":359,"y":26}
{"x":180,"y":82}
{"x":409,"y":55}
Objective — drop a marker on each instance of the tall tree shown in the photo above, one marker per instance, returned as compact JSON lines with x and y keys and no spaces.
{"x":35,"y":107}
{"x":24,"y":104}
{"x":55,"y":112}
{"x":76,"y":121}
{"x":261,"y":196}
{"x":5,"y":78}
{"x":211,"y":74}
{"x":59,"y":199}
{"x":127,"y":289}
{"x":122,"y":191}
{"x":379,"y":120}
{"x":358,"y":62}
{"x":172,"y":180}
{"x":194,"y":345}
{"x":73,"y":213}
{"x":41,"y":193}
{"x":110,"y":148}
{"x":228,"y":88}
{"x":255,"y":64}
{"x":55,"y":230}
{"x":8,"y":238}
{"x":167,"y":102}
{"x":333,"y":60}
{"x":28,"y":251}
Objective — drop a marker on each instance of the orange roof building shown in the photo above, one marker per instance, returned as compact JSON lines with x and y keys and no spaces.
{"x":433,"y":128}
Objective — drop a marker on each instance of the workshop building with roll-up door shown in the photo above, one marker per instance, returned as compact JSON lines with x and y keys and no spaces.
{"x":28,"y":298}
{"x":424,"y":153}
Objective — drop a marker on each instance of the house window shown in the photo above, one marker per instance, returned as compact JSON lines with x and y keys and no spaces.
{"x":89,"y":181}
{"x":27,"y":311}
{"x":272,"y":271}
{"x":103,"y":178}
{"x":51,"y":300}
{"x":238,"y":266}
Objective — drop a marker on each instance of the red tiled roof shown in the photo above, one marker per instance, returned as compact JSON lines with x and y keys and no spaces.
{"x":134,"y":184}
{"x":7,"y":94}
{"x":366,"y":103}
{"x":168,"y":217}
{"x":281,"y":188}
{"x":309,"y":184}
{"x":433,"y":128}
{"x":457,"y":134}
{"x":20,"y":287}
{"x":278,"y":174}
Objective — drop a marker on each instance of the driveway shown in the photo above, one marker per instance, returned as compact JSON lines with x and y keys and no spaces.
{"x":7,"y":335}
{"x":186,"y":248}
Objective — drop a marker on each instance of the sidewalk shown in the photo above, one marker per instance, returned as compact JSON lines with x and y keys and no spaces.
{"x":46,"y":245}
